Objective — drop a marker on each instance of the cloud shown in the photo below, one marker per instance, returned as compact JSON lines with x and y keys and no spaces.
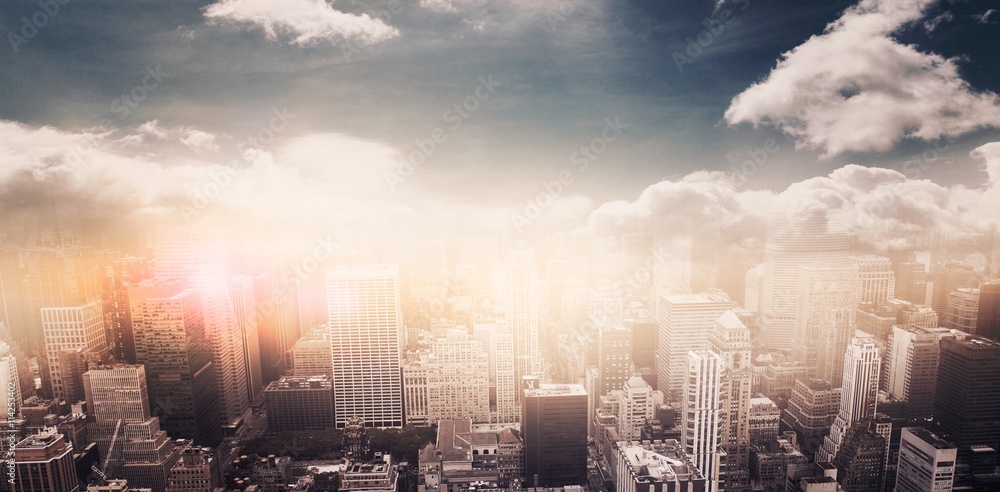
{"x":306,"y":22}
{"x":984,"y":18}
{"x":449,"y":5}
{"x":854,"y":88}
{"x":932,"y":24}
{"x":199,"y":140}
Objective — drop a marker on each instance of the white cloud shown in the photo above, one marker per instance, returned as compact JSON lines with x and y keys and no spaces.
{"x":933,"y":24}
{"x":854,"y":88}
{"x":984,"y":18}
{"x":306,"y":22}
{"x":199,"y":140}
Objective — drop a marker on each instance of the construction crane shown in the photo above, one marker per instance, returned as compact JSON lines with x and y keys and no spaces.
{"x":101,"y":472}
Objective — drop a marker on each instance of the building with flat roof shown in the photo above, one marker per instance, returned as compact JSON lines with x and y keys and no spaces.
{"x":43,"y":462}
{"x":926,"y":462}
{"x":656,"y":466}
{"x":297,"y":403}
{"x":554,"y":428}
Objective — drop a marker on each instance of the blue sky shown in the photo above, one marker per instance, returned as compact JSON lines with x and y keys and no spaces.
{"x":363,"y":82}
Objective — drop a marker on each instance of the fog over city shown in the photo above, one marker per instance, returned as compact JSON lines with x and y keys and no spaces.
{"x":458,"y":245}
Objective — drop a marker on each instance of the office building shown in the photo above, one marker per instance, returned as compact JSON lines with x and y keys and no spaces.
{"x":365,"y":323}
{"x":122,"y":273}
{"x":521,"y":311}
{"x":813,"y":406}
{"x":245,"y":309}
{"x":147,"y":454}
{"x":635,"y":407}
{"x":861,"y":459}
{"x":174,"y":348}
{"x":196,"y":470}
{"x":826,"y":299}
{"x":967,"y":400}
{"x":790,"y":244}
{"x":988,"y":317}
{"x":67,"y":330}
{"x":554,"y":429}
{"x":298,"y":403}
{"x":649,"y":467}
{"x":43,"y":462}
{"x":948,"y":278}
{"x":862,"y":365}
{"x":876,"y":279}
{"x":911,"y":367}
{"x":311,"y":354}
{"x":701,"y":418}
{"x":764,"y":422}
{"x":684,"y":322}
{"x":926,"y":462}
{"x":614,"y":357}
{"x":730,"y":340}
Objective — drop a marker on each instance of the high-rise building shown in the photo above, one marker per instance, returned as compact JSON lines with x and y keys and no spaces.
{"x":116,"y":392}
{"x":731,"y":342}
{"x":9,"y":380}
{"x":967,"y":400}
{"x":147,"y":454}
{"x":276,"y":292}
{"x":926,"y":462}
{"x":862,"y":364}
{"x":554,"y":428}
{"x":811,"y":410}
{"x":311,"y":354}
{"x":43,"y":462}
{"x":241,"y":294}
{"x":365,"y":338}
{"x":701,"y":417}
{"x":121,"y":274}
{"x":500,"y":348}
{"x":521,"y":310}
{"x":299,"y":403}
{"x":950,"y":277}
{"x":791,"y":244}
{"x":911,"y":366}
{"x":684,"y":322}
{"x":69,"y":329}
{"x":172,"y":344}
{"x":191,"y":255}
{"x":449,"y":381}
{"x":635,"y":407}
{"x":988,"y":317}
{"x":861,"y":459}
{"x":764,"y":421}
{"x":827,"y":297}
{"x":876,"y":279}
{"x":614,"y":357}
{"x":963,"y":307}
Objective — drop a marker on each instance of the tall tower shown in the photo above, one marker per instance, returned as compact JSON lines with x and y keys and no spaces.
{"x":123,"y":273}
{"x":827,"y":297}
{"x":684,"y":322}
{"x":78,"y":329}
{"x":192,"y":256}
{"x":521,"y":312}
{"x":614,"y":358}
{"x":554,"y":426}
{"x":967,"y":398}
{"x":926,"y":462}
{"x":172,"y":345}
{"x":790,"y":244}
{"x":241,"y":292}
{"x":731,"y":342}
{"x":702,"y":413}
{"x":988,"y":318}
{"x":911,"y":367}
{"x":365,"y":339}
{"x":862,"y":364}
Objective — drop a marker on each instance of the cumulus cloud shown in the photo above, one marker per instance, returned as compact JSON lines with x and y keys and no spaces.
{"x":875,"y":206}
{"x":152,"y":130}
{"x":306,"y":22}
{"x":199,"y":140}
{"x":855,"y":88}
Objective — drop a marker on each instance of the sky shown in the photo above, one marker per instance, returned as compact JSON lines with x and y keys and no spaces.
{"x":586,"y":112}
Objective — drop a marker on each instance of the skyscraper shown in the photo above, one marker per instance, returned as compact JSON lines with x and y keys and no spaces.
{"x":172,"y":344}
{"x":684,"y":322}
{"x":701,"y":417}
{"x":241,"y":293}
{"x":121,"y":274}
{"x":988,"y":318}
{"x":365,"y":338}
{"x":911,"y":367}
{"x":862,"y":364}
{"x":43,"y":462}
{"x":68,"y":329}
{"x":499,"y":342}
{"x":521,"y":312}
{"x":554,"y":427}
{"x":860,"y":461}
{"x":731,"y":342}
{"x":635,"y":407}
{"x":191,"y":255}
{"x":967,"y":400}
{"x":963,"y":307}
{"x":827,"y":297}
{"x":949,"y":277}
{"x":926,"y":463}
{"x":790,"y":244}
{"x":614,"y":358}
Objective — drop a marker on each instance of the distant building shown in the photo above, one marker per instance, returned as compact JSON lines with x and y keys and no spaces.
{"x":811,"y":410}
{"x":684,"y":322}
{"x":962,"y":310}
{"x":765,"y":421}
{"x":311,"y":355}
{"x":988,"y":317}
